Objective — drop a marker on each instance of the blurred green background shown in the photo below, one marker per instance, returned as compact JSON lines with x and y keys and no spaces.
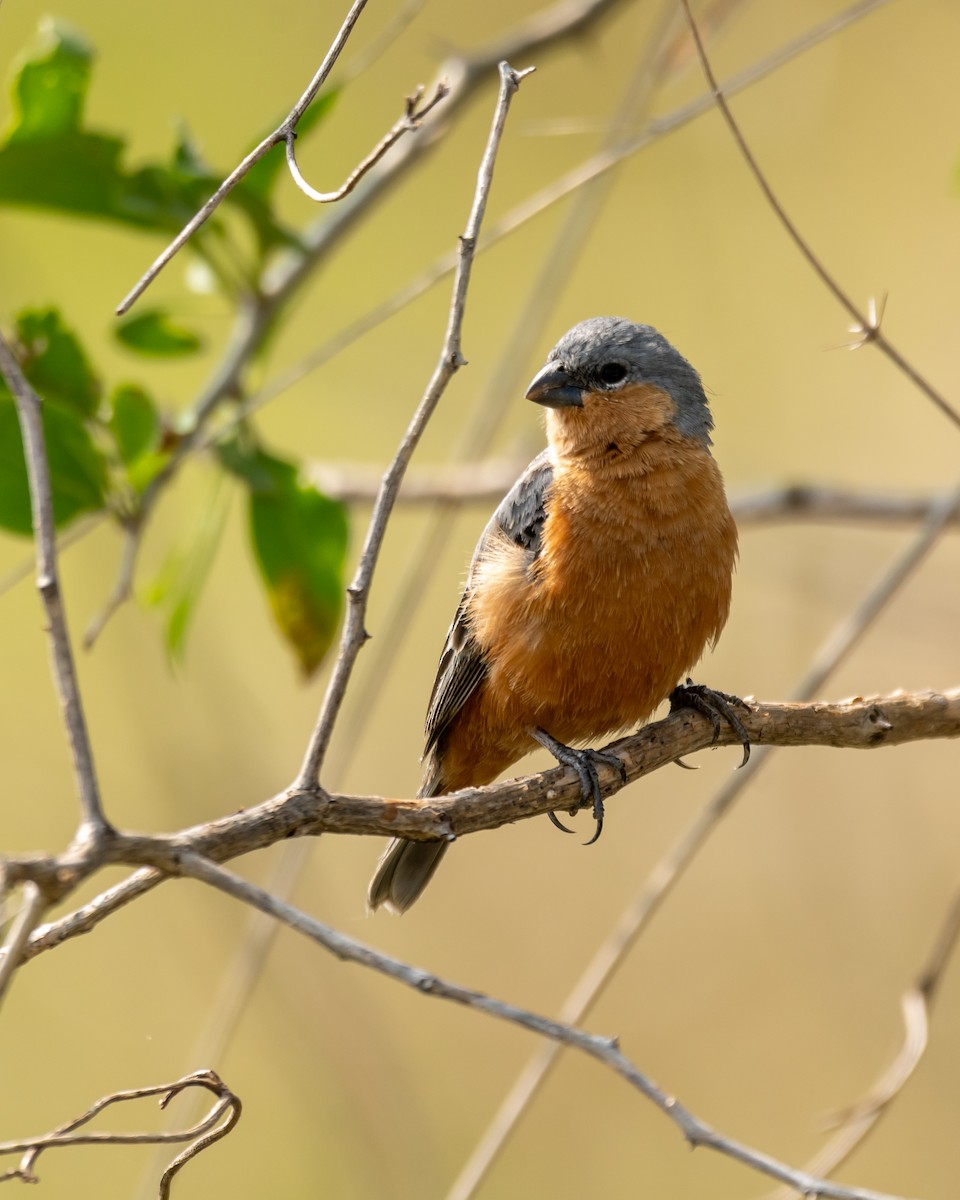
{"x":766,"y":992}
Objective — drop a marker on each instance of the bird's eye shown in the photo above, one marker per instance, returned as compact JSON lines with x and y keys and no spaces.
{"x":613,"y":372}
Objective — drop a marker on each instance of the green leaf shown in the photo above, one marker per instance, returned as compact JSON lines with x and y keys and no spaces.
{"x":134,"y":422}
{"x":260,"y":179}
{"x":252,"y":468}
{"x":154,"y":332}
{"x":180,"y":583}
{"x":50,"y":85}
{"x":299,"y":540}
{"x":48,"y":159}
{"x":77,"y":469}
{"x":144,"y":470}
{"x":187,"y":158}
{"x":54,"y":362}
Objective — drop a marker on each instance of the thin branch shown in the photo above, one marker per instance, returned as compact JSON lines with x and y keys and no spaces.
{"x":862,"y":724}
{"x":861,"y":1118}
{"x":32,"y":907}
{"x":204,"y":1133}
{"x":88,"y":916}
{"x":604,"y":1049}
{"x":271,"y":140}
{"x":450,"y":485}
{"x":803,"y":502}
{"x":385,"y":40}
{"x":450,"y":361}
{"x":487,"y":480}
{"x":123,"y":585}
{"x":93,"y":827}
{"x":867,"y":324}
{"x":409,"y":123}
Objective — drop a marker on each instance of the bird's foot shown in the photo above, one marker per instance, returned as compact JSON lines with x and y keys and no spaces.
{"x":715,"y":705}
{"x":585,"y":763}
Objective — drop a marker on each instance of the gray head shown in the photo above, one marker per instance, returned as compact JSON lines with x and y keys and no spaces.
{"x":605,"y":355}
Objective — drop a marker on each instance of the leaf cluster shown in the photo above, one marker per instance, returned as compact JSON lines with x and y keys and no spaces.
{"x":107,"y":445}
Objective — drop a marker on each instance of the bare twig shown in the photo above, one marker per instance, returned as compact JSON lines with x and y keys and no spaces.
{"x":808,"y":502}
{"x":279,"y":134}
{"x":866,"y":324}
{"x":863,"y":724}
{"x":23,"y":924}
{"x":917,"y":1001}
{"x":673,"y":865}
{"x":88,"y":916}
{"x":216,"y":1124}
{"x":93,"y":827}
{"x":450,"y":361}
{"x":408,"y":123}
{"x":123,"y":585}
{"x":604,"y":1049}
{"x":486,"y":481}
{"x":384,"y":40}
{"x":76,"y":533}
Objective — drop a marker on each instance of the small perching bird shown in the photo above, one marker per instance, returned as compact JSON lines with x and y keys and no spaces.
{"x":595,"y":587}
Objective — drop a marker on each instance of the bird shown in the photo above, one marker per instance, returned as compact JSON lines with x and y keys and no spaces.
{"x":595,"y":587}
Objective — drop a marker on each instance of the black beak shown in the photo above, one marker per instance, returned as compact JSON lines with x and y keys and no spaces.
{"x":553,"y":387}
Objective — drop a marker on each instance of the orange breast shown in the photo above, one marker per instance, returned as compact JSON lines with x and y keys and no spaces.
{"x":632,"y":581}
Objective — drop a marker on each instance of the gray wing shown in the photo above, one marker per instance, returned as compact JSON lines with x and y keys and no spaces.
{"x":520,"y":516}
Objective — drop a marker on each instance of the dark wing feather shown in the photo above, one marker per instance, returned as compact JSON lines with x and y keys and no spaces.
{"x":522,"y":511}
{"x":520,"y":516}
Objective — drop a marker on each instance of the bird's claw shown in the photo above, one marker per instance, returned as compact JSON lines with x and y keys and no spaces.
{"x":584,"y":762}
{"x":715,"y":705}
{"x":555,"y":820}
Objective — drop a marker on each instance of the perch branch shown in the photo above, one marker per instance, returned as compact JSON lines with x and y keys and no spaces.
{"x":851,"y":724}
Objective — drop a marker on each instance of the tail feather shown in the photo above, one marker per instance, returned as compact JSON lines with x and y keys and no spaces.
{"x":403,"y":872}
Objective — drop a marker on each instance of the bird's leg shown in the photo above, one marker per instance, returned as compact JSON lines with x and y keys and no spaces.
{"x":713,"y":704}
{"x":584,"y":762}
